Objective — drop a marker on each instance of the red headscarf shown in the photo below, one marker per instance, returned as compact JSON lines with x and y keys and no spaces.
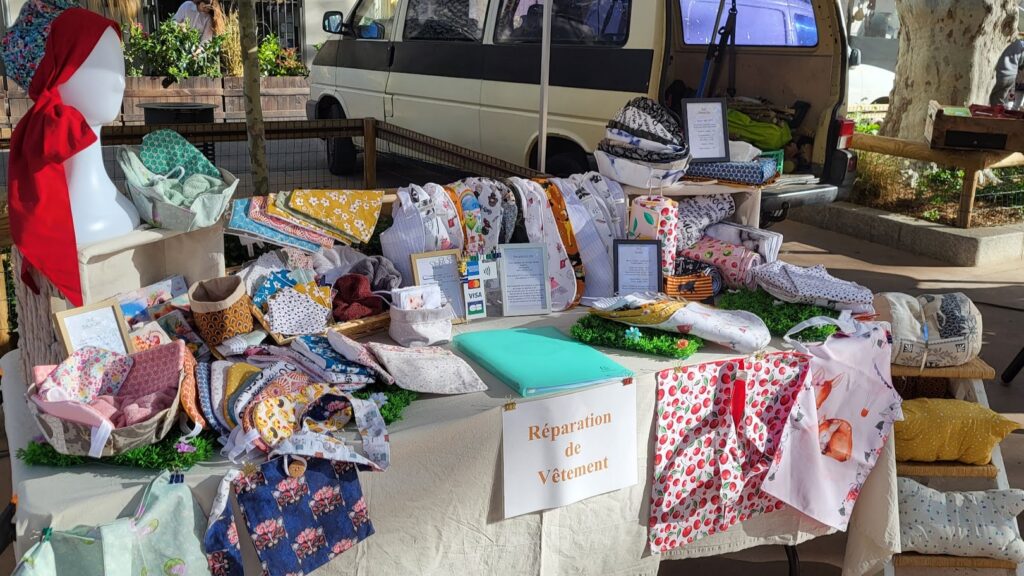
{"x":50,"y":134}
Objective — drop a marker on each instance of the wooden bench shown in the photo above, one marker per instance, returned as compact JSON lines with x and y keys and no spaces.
{"x":966,"y":383}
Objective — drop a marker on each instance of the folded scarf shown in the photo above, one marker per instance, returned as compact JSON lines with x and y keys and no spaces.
{"x":735,"y":262}
{"x":355,"y":299}
{"x":741,"y":331}
{"x":813,"y":286}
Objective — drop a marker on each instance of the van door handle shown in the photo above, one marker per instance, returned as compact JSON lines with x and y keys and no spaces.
{"x":391,"y":55}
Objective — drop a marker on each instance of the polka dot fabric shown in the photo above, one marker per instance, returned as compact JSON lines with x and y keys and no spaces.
{"x":938,"y":429}
{"x":960,"y":523}
{"x":718,"y":430}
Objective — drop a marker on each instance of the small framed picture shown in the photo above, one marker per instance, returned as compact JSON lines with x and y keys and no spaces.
{"x":707,"y":129}
{"x":525,"y":288}
{"x":637,"y":266}
{"x":101,"y":325}
{"x":442,"y":268}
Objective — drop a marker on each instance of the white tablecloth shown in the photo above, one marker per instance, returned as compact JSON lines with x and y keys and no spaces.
{"x":438,"y":509}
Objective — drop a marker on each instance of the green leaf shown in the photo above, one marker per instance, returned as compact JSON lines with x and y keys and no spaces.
{"x":649,"y":218}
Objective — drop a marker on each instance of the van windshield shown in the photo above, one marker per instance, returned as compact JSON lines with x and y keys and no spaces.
{"x":758,"y":22}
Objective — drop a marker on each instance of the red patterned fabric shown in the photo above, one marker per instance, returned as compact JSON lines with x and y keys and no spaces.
{"x":719,"y":427}
{"x":49,"y":134}
{"x":156,"y":369}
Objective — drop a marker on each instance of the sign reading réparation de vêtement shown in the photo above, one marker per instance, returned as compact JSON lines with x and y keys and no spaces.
{"x":560,"y":450}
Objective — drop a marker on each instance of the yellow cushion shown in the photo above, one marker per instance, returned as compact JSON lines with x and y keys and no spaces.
{"x":939,"y":430}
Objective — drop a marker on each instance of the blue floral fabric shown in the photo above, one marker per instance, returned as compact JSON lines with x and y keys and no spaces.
{"x":274,"y":283}
{"x":25,"y":43}
{"x":300,"y":524}
{"x":319,"y":351}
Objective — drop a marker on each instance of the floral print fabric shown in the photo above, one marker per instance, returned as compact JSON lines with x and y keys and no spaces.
{"x":354,"y":213}
{"x":89,"y":372}
{"x":719,"y":427}
{"x":299,"y":524}
{"x":258,"y":213}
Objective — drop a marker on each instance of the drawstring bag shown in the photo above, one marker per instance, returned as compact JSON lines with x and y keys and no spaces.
{"x":160,"y":538}
{"x":422,"y":327}
{"x":173,"y":202}
{"x":221,"y":309}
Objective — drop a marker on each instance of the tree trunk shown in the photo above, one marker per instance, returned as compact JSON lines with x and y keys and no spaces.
{"x":251,"y":92}
{"x":947,"y":52}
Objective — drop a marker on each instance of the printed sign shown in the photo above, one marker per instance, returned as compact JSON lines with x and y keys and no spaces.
{"x":564,"y":449}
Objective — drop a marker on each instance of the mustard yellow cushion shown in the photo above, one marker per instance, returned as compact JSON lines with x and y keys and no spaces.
{"x":938,"y":430}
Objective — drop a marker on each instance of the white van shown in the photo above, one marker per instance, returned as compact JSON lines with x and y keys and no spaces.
{"x":467,"y":72}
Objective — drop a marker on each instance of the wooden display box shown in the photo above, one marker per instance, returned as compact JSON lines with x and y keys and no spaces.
{"x":947,"y":130}
{"x":127,"y":263}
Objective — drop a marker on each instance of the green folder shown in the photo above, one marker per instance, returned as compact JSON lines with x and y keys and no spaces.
{"x":536,"y":361}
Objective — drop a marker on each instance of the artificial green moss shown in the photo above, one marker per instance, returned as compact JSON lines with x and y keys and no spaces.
{"x":398,"y":400}
{"x":779,"y":316}
{"x":163,"y":455}
{"x":597,"y":331}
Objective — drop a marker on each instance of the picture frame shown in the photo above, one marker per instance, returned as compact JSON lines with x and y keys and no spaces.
{"x":706,"y":125}
{"x":101,"y":324}
{"x":442,"y":267}
{"x":637,"y":266}
{"x":525,"y":283}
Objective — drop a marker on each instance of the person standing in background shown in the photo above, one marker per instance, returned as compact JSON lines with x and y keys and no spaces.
{"x":204,"y":16}
{"x":1009,"y":77}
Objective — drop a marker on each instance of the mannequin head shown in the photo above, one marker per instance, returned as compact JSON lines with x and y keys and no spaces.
{"x":96,"y":89}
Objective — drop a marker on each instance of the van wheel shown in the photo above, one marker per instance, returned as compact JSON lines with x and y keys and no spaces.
{"x":341,"y":152}
{"x":564,"y":159}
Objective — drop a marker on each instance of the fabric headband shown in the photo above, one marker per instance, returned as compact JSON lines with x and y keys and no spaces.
{"x":49,"y":134}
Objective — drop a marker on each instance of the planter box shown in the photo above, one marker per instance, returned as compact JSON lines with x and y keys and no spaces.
{"x":283,"y":98}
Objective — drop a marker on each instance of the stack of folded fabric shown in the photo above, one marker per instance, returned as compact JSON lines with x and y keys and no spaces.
{"x":698,"y":213}
{"x":348,"y":214}
{"x":241,"y":224}
{"x":643,"y":146}
{"x":813,"y":286}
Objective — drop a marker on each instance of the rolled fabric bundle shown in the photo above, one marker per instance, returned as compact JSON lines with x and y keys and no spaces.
{"x":655,"y":218}
{"x":741,"y":331}
{"x":697,"y":213}
{"x":736,"y":263}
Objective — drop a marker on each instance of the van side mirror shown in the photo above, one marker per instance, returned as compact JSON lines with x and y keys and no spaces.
{"x":334,"y":22}
{"x":855,"y":57}
{"x":372,"y":31}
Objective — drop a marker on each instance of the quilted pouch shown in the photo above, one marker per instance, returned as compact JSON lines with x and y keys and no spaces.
{"x":423,"y":327}
{"x":165,"y":150}
{"x":221,"y":309}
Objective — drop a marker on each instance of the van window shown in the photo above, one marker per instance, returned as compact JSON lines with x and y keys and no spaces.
{"x":758,"y":22}
{"x":597,"y":22}
{"x":453,"y":20}
{"x":373,"y":16}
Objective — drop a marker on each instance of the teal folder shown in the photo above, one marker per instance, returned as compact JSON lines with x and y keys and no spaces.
{"x":536,"y":361}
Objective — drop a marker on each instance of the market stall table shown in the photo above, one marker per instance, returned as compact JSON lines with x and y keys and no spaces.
{"x":438,"y":508}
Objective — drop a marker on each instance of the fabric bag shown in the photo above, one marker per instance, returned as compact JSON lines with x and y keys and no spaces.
{"x":428,"y":370}
{"x":541,"y":228}
{"x":834,"y":438}
{"x":221,"y":309}
{"x":932,"y":330}
{"x":423,"y":327}
{"x":656,"y":218}
{"x":173,"y":202}
{"x":160,"y":538}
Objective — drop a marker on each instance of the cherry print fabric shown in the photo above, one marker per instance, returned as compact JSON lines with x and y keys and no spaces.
{"x":656,"y":218}
{"x":719,"y":426}
{"x":736,"y":263}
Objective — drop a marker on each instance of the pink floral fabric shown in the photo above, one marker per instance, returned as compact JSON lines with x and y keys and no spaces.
{"x":719,"y":427}
{"x":86,"y":374}
{"x":735,"y":262}
{"x":258,"y":213}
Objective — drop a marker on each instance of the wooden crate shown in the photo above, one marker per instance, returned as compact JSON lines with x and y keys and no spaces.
{"x":145,"y":89}
{"x":947,"y":131}
{"x":283,"y":98}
